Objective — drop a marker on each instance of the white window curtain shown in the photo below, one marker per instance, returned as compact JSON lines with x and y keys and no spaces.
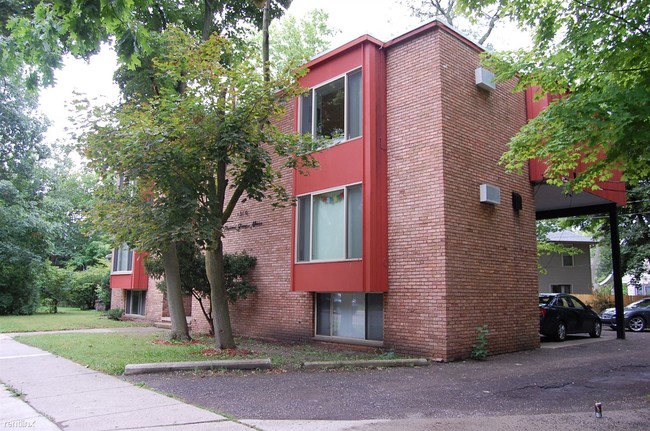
{"x":328,"y":226}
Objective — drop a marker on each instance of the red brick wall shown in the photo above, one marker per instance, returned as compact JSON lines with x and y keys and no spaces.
{"x":274,"y":311}
{"x":415,"y":311}
{"x":455,"y":264}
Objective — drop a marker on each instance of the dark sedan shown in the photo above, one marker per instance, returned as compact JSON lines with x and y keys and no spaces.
{"x":636,"y":315}
{"x":561,"y":314}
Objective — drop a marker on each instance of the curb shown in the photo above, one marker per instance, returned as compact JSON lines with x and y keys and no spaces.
{"x":419,"y":362}
{"x":162,"y":367}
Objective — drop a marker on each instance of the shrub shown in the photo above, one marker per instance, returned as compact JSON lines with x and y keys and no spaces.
{"x":115,"y":313}
{"x":479,"y":350}
{"x":602,"y":299}
{"x":86,"y":284}
{"x":54,"y":286}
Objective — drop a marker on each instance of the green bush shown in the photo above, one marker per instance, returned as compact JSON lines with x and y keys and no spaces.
{"x":54,"y":286}
{"x":115,"y":313}
{"x":86,"y":285}
{"x":479,"y":350}
{"x":602,"y":299}
{"x":19,"y":294}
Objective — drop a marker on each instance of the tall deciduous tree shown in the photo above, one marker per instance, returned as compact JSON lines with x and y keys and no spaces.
{"x":41,"y":32}
{"x":24,"y":233}
{"x":596,"y":53}
{"x":194,"y":155}
{"x":296,"y":41}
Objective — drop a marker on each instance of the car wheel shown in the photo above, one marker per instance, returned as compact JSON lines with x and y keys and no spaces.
{"x":560,"y":334}
{"x":637,"y":324}
{"x":598,"y":328}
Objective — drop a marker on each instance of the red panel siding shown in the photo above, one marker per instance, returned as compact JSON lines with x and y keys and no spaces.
{"x":138,"y":279}
{"x":329,"y":276}
{"x":612,"y":190}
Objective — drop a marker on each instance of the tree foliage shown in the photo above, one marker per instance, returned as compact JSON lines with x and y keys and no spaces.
{"x":191,"y":156}
{"x":634,"y":233}
{"x":194,"y":280}
{"x":40,"y":33}
{"x":296,"y":41}
{"x":24,"y":233}
{"x":596,"y":53}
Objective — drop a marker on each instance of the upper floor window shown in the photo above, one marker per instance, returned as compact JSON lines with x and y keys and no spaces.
{"x":567,"y":260}
{"x":330,"y":225}
{"x":123,"y":259}
{"x":333,"y":110}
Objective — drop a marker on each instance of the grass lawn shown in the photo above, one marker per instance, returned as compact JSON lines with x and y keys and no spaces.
{"x":66,"y":318}
{"x":109,"y":353}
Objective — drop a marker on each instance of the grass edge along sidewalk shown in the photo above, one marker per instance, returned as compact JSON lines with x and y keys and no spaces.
{"x":66,"y":319}
{"x":112,"y":352}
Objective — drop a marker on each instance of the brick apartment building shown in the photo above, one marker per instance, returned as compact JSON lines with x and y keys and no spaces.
{"x":399,"y":238}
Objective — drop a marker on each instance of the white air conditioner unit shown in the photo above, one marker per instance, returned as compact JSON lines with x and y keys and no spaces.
{"x":485,"y":79}
{"x":490,"y":194}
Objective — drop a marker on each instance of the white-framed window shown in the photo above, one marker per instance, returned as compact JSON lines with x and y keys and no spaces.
{"x":350,"y":315}
{"x":567,"y":260}
{"x":333,"y":109}
{"x":123,"y":259}
{"x":329,"y":225}
{"x":135,"y":302}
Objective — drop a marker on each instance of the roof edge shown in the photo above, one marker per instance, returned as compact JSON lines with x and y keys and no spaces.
{"x":430,"y":26}
{"x":338,"y":50}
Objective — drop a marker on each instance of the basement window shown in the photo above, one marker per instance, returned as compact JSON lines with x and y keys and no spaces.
{"x":357,"y":316}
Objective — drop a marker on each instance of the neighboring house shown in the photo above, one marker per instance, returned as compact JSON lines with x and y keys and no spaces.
{"x":410,"y":233}
{"x":567,"y":273}
{"x":642,"y":288}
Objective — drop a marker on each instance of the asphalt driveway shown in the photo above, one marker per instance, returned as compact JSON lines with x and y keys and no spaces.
{"x":560,"y":378}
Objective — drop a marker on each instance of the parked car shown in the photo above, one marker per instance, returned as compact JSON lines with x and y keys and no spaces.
{"x":636,"y":315}
{"x":561,"y":314}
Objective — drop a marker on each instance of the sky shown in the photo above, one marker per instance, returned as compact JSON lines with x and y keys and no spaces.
{"x":383,"y":19}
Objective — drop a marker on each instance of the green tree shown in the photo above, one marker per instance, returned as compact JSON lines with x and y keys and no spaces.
{"x":193,"y":155}
{"x":634,"y":232}
{"x":24,"y":233}
{"x":41,"y":32}
{"x":88,"y":285}
{"x":596,"y":53}
{"x":296,"y":41}
{"x":54,"y":285}
{"x":195,"y":282}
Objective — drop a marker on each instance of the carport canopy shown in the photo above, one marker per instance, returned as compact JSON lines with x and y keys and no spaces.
{"x":554,"y":202}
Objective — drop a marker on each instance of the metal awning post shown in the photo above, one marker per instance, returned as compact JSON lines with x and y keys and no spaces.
{"x":616,"y":272}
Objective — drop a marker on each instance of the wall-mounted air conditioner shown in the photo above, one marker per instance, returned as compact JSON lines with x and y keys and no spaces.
{"x":485,"y":79}
{"x":490,"y":194}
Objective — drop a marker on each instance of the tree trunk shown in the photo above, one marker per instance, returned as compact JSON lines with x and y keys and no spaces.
{"x":266,"y":21}
{"x":180,"y":330}
{"x":223,"y":338}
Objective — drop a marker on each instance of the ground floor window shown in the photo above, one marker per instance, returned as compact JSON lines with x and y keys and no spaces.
{"x":561,"y":288}
{"x":350,"y":315}
{"x":135,"y":302}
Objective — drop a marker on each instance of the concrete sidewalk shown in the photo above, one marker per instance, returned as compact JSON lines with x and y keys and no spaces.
{"x":44,"y":392}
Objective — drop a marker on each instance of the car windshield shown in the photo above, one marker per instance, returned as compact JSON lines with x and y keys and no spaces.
{"x":644,"y":303}
{"x":545,"y":300}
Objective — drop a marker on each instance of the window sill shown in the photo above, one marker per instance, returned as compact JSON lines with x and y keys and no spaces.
{"x":121,"y":272}
{"x":343,"y":340}
{"x":328,"y":261}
